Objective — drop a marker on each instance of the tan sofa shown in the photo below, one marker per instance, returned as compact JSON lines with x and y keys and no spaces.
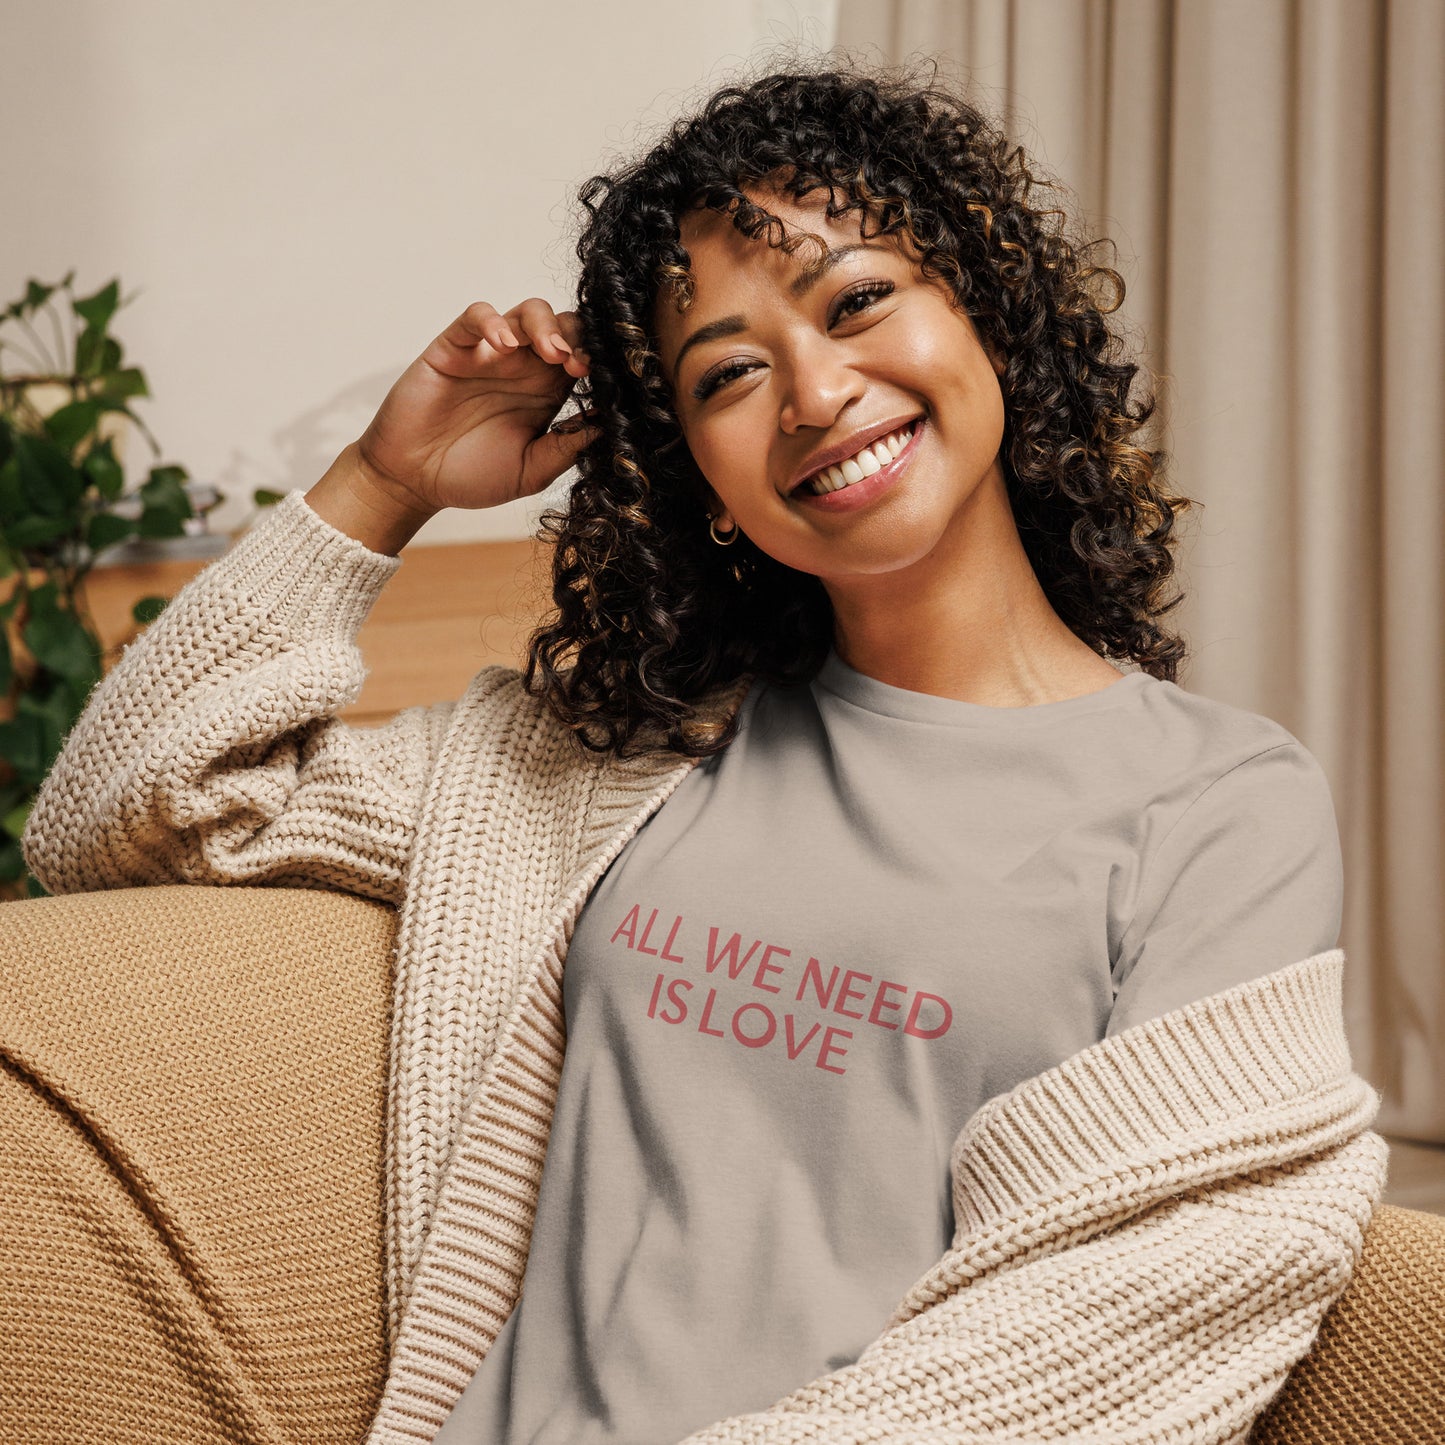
{"x":191,"y":1161}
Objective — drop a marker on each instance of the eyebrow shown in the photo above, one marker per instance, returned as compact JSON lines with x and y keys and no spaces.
{"x":731,"y":325}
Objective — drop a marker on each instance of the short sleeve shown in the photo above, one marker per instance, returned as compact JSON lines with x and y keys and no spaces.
{"x":1249,"y":880}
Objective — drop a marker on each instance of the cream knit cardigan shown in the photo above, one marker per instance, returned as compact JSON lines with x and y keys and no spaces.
{"x":1148,"y":1234}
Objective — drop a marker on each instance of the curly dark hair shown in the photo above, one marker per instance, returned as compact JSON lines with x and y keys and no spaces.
{"x":650,"y":615}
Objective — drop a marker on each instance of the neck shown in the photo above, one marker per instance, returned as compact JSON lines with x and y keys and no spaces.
{"x":969,"y":620}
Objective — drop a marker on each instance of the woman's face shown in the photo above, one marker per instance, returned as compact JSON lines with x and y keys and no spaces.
{"x":775,"y":371}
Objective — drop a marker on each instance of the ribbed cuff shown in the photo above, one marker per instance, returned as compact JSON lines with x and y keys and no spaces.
{"x":315,"y":575}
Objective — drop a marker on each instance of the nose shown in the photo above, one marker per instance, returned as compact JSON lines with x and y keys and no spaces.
{"x":820,"y":382}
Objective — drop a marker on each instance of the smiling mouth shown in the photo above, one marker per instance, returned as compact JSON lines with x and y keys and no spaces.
{"x":865,"y":463}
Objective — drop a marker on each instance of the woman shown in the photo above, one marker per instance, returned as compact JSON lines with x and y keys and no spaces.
{"x":931,"y":1055}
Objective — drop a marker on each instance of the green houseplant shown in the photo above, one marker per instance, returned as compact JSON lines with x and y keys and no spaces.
{"x":64,"y":402}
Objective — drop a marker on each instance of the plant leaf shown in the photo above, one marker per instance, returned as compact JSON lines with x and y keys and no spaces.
{"x":14,"y":821}
{"x":148,"y":609}
{"x":70,"y":699}
{"x":59,"y":641}
{"x":96,"y":310}
{"x":7,"y":668}
{"x":12,"y":794}
{"x":96,"y":354}
{"x":51,"y":484}
{"x":55,"y":712}
{"x":102,"y":468}
{"x":167,"y":505}
{"x":22,"y":745}
{"x":71,"y":422}
{"x":12,"y":493}
{"x":130,"y":381}
{"x":161,"y":522}
{"x":34,"y":530}
{"x":44,"y":597}
{"x":89,"y":352}
{"x":105,"y":529}
{"x":166,"y":482}
{"x":36,"y":295}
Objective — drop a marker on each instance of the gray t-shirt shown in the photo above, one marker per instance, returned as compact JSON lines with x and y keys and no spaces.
{"x":871,"y":913}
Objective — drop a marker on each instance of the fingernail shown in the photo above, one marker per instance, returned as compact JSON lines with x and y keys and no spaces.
{"x":508,"y":337}
{"x":558,"y":342}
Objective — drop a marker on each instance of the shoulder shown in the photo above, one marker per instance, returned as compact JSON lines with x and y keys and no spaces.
{"x":1239,"y":868}
{"x":1209,"y":729}
{"x":1198,"y":749}
{"x":1235,"y":806}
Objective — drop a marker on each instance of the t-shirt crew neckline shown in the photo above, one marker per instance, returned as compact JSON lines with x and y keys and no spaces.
{"x":855,"y":687}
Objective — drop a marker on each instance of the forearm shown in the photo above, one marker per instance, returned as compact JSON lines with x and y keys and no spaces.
{"x":356,"y":501}
{"x":210,"y":752}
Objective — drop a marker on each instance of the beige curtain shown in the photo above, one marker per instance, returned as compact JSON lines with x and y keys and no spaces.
{"x":1274,"y":174}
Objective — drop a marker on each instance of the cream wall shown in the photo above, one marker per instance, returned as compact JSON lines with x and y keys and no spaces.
{"x":301,"y":196}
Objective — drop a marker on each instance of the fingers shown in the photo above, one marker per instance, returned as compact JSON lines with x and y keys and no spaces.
{"x":553,"y":452}
{"x":555,"y":338}
{"x":578,"y":421}
{"x":483,"y":333}
{"x":480,"y":322}
{"x":570,"y":325}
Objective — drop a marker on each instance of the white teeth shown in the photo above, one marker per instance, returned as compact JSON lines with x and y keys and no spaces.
{"x":871,"y":459}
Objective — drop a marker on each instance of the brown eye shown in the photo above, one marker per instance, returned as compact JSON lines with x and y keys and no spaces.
{"x":717,"y":378}
{"x":867,"y":293}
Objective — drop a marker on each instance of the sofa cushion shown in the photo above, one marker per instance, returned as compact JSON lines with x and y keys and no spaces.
{"x":191,"y":1156}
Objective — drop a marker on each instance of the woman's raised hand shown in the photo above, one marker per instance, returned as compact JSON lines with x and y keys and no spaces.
{"x":467,"y":423}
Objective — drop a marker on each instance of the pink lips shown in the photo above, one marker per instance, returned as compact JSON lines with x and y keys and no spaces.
{"x":860,"y":494}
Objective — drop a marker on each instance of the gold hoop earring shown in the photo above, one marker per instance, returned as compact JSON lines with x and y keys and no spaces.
{"x":725,"y":541}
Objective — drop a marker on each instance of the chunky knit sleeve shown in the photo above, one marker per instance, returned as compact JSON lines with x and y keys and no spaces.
{"x":210,"y":752}
{"x":1149,"y":1236}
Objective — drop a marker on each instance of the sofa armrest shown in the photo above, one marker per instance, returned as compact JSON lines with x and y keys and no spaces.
{"x":1376,"y":1371}
{"x":192,"y":1112}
